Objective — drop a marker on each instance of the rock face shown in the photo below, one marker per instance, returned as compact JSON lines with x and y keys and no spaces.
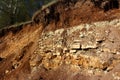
{"x":95,"y":43}
{"x":94,"y":56}
{"x":82,"y":44}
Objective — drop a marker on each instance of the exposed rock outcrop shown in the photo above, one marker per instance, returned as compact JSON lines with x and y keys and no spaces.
{"x":67,"y":40}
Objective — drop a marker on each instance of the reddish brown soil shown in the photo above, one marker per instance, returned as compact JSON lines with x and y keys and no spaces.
{"x":17,"y":45}
{"x":75,"y":14}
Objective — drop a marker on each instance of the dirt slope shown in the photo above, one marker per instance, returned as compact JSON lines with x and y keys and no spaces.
{"x":68,"y":40}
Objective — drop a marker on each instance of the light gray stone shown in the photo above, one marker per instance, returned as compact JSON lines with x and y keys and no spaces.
{"x":73,"y":51}
{"x":89,"y":46}
{"x":75,"y":46}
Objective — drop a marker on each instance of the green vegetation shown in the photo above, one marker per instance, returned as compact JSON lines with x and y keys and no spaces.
{"x":16,"y":11}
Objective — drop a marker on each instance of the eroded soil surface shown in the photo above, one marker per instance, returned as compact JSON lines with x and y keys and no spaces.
{"x":83,"y":43}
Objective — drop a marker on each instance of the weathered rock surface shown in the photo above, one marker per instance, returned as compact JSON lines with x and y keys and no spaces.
{"x":87,"y":47}
{"x":96,"y":54}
